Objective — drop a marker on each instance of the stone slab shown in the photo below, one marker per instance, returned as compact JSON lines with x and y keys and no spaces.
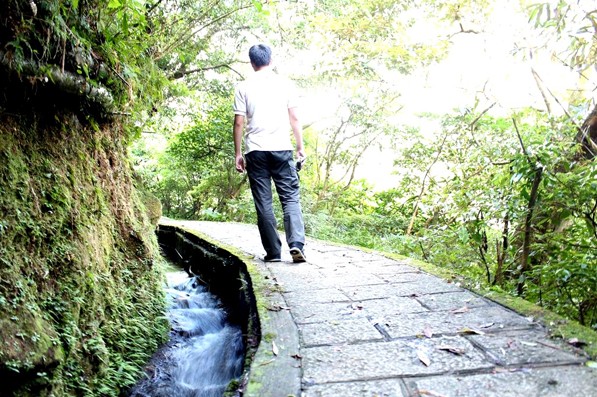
{"x":394,"y":306}
{"x":452,"y":300}
{"x":399,"y":275}
{"x":342,"y":363}
{"x":425,"y":284}
{"x":350,"y":278}
{"x":299,"y":278}
{"x":375,"y":291}
{"x":525,"y":347}
{"x":487,"y":319}
{"x":326,"y":295}
{"x":570,"y":381}
{"x":375,"y":388}
{"x":306,"y":312}
{"x":339,"y":332}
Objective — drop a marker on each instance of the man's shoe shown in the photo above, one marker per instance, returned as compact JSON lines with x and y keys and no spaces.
{"x":297,"y":255}
{"x":268,"y":258}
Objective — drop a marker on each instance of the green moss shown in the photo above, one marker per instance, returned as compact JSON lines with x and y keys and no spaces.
{"x":81,"y":291}
{"x":269,"y":337}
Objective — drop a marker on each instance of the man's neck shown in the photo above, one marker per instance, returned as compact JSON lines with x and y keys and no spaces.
{"x":262,"y":68}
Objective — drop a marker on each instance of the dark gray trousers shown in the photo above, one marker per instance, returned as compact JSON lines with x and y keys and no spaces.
{"x":262,"y":168}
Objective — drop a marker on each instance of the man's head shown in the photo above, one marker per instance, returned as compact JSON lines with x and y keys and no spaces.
{"x":260,"y":56}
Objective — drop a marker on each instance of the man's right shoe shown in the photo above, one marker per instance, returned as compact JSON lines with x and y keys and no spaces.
{"x":297,"y":255}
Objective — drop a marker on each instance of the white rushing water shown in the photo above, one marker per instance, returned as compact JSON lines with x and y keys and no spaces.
{"x":205,"y":352}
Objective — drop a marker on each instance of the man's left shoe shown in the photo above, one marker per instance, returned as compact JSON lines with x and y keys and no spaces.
{"x":268,"y":258}
{"x":297,"y":255}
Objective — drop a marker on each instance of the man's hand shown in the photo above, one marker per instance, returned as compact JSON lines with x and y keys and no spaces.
{"x":240,"y":163}
{"x":301,"y":155}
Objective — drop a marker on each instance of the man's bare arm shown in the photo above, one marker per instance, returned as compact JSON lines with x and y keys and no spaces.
{"x":297,"y":130}
{"x":239,"y":124}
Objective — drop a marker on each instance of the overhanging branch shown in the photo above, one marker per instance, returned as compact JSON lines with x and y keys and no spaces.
{"x":182,"y":73}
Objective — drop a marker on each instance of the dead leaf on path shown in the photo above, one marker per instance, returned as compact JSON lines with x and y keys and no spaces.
{"x":267,"y":362}
{"x":427,"y":331}
{"x":470,"y":331}
{"x":452,"y":349}
{"x":277,"y":308}
{"x":463,"y":309}
{"x":274,"y":348}
{"x":424,"y":358}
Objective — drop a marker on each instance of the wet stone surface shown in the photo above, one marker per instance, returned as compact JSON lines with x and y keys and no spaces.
{"x":367,"y":325}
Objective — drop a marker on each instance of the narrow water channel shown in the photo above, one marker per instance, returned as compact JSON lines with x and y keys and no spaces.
{"x":205,"y":351}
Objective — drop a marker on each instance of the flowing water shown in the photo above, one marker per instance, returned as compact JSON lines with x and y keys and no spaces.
{"x":205,"y":352}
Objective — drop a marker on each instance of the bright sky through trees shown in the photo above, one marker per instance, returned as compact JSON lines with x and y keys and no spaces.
{"x":492,"y":64}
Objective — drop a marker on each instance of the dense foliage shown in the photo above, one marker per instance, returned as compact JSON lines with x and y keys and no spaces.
{"x":503,"y":196}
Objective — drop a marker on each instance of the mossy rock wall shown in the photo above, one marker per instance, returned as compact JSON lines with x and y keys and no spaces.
{"x":81,"y":281}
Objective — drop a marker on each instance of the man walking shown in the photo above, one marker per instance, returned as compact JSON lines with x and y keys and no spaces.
{"x":268,"y":102}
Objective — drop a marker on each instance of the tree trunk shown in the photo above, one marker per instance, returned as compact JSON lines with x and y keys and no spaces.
{"x":528,"y":224}
{"x":587,"y":135}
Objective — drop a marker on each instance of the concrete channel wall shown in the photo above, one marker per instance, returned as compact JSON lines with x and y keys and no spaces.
{"x":225,"y":275}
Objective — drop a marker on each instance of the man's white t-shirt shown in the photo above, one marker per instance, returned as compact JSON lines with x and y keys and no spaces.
{"x":264,"y":100}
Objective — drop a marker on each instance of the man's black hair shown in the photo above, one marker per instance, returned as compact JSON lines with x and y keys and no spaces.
{"x":260,"y":55}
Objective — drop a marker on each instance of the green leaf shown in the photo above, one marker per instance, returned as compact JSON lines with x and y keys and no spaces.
{"x":113,"y":4}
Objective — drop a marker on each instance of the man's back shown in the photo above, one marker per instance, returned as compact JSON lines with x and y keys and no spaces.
{"x":264,"y":100}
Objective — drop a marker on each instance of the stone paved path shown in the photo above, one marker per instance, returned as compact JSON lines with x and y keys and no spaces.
{"x":370,"y":326}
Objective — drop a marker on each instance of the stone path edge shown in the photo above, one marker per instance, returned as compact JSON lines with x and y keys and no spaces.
{"x":266,"y":373}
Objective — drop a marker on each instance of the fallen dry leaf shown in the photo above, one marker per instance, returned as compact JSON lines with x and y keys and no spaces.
{"x":277,"y":308}
{"x":452,"y":349}
{"x":424,"y":358}
{"x":267,"y":362}
{"x":427,"y":331}
{"x":463,"y":309}
{"x":274,"y":348}
{"x":471,"y":331}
